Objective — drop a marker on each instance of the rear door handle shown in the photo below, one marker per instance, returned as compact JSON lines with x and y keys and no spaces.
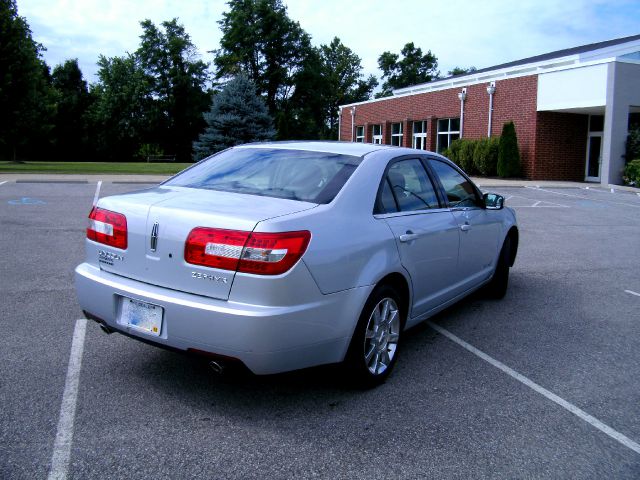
{"x":465,"y":228}
{"x":407,"y":237}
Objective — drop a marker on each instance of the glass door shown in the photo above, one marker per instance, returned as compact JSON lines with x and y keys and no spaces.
{"x":594,"y":148}
{"x":594,"y":157}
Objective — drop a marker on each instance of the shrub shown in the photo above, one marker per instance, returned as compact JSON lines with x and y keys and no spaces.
{"x":485,"y":156}
{"x":149,"y":150}
{"x":633,"y":145}
{"x":467,"y":149}
{"x":453,"y":152}
{"x":631,"y":174}
{"x":508,"y":152}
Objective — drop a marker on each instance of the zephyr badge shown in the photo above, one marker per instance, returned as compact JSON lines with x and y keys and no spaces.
{"x":154,"y":237}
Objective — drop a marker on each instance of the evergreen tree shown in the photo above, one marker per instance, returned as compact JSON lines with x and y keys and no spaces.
{"x":508,"y":152}
{"x":238,"y":115}
{"x":27,"y":101}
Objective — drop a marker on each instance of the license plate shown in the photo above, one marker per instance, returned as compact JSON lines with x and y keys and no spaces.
{"x":143,"y":316}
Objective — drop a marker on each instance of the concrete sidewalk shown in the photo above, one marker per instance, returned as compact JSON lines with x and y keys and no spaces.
{"x":482,"y":182}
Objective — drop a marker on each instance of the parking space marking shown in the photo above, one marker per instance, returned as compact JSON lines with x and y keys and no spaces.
{"x":633,"y":293}
{"x":582,"y":197}
{"x":536,"y":203}
{"x":2,"y":183}
{"x":64,"y":435}
{"x":619,"y":437}
{"x":97,"y":194}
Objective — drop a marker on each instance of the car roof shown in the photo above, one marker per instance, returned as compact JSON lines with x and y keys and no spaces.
{"x":340,"y":148}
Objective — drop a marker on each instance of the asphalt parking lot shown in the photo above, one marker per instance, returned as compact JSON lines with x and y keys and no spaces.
{"x":565,"y":405}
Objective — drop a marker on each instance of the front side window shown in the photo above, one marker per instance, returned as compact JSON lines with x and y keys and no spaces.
{"x":420,"y":135}
{"x":315,"y":177}
{"x":360,"y":134}
{"x":460,"y":191}
{"x":377,"y":134}
{"x":448,"y":131}
{"x":407,"y":188}
{"x":396,"y":134}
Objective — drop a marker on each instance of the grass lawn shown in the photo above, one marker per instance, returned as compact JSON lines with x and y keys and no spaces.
{"x":93,"y":167}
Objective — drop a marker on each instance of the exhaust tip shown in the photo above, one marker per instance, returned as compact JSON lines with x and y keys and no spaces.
{"x":217,"y":367}
{"x":105,"y":329}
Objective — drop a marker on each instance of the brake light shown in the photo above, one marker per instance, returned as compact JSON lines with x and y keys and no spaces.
{"x":247,"y":252}
{"x":107,"y":227}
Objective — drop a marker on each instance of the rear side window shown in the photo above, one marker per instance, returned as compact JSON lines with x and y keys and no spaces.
{"x":460,"y":191}
{"x":407,"y":188}
{"x":315,"y":177}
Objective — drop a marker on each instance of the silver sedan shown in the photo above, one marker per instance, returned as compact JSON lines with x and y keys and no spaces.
{"x":293,"y":254}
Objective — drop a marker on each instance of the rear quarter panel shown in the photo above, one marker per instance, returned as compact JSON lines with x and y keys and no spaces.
{"x":349,"y":248}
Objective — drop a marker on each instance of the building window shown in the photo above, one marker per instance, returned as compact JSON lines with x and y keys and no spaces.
{"x":596,"y":123}
{"x":448,"y":131}
{"x":420,"y":135}
{"x":377,"y":134}
{"x":396,"y":134}
{"x":360,"y":134}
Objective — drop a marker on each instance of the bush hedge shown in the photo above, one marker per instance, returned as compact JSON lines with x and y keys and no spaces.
{"x":631,"y":174}
{"x":485,"y":156}
{"x":633,"y":145}
{"x":475,"y":156}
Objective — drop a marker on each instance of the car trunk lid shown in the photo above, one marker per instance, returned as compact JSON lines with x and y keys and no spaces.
{"x":159,"y":221}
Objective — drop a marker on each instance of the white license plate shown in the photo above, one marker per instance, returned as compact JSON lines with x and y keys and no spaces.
{"x":143,"y":316}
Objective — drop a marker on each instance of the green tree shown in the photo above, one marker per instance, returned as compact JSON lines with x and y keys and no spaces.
{"x":260,"y":40}
{"x":123,"y":115}
{"x":508,"y":152}
{"x":177,"y":80}
{"x":455,"y":71}
{"x":70,"y":130}
{"x":238,"y":115}
{"x":27,"y":102}
{"x":413,"y":68}
{"x":345,"y":83}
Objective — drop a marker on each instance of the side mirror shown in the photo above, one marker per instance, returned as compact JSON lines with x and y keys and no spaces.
{"x":493,"y":201}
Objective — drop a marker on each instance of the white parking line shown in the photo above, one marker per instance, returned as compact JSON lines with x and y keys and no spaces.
{"x":64,"y":435}
{"x":582,"y":196}
{"x":633,"y":293}
{"x":536,"y":203}
{"x":2,"y":183}
{"x":619,"y":437}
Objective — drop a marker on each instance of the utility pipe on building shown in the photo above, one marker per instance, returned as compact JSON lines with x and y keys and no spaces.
{"x":353,"y":124}
{"x":462,"y":96}
{"x":491,"y":89}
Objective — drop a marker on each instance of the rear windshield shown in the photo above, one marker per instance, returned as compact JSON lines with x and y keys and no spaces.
{"x":315,"y":177}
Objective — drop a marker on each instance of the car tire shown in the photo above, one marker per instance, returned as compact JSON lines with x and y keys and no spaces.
{"x":497,"y":287}
{"x":373,"y":351}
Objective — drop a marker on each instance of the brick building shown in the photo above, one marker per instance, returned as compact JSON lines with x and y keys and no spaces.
{"x":572,"y":110}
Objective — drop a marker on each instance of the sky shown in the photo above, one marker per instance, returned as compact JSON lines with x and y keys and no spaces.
{"x":460,"y":33}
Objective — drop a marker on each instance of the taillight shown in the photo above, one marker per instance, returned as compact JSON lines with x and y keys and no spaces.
{"x":258,"y":253}
{"x":107,"y":227}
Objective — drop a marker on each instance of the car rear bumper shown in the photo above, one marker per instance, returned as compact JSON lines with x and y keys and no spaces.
{"x":267,"y":339}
